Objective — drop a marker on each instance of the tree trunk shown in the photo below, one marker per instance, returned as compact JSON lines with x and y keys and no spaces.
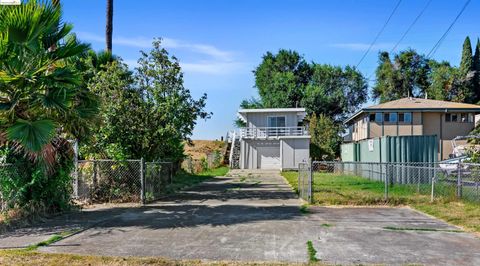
{"x":109,"y":25}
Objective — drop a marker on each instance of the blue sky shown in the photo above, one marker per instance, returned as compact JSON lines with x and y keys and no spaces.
{"x":219,"y":43}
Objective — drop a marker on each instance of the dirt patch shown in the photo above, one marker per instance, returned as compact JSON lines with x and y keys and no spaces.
{"x":201,"y":148}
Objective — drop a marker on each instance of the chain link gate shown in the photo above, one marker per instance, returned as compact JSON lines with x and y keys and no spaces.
{"x":305,"y":182}
{"x":101,"y":181}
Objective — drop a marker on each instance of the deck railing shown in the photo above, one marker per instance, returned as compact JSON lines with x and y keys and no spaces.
{"x":265,"y":132}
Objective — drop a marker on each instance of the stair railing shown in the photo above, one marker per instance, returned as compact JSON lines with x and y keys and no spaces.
{"x":230,"y":159}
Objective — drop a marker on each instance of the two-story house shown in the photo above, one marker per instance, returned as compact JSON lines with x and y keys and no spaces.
{"x":413,"y":117}
{"x":273,"y":138}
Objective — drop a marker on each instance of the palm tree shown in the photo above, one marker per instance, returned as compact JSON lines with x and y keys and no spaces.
{"x":43,"y":99}
{"x":109,"y":25}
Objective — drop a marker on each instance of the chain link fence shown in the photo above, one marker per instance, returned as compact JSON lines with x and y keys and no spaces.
{"x":100,"y":181}
{"x":12,"y":177}
{"x":305,"y":182}
{"x":438,"y":180}
{"x":210,"y":161}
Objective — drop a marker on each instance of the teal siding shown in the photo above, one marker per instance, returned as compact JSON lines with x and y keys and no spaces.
{"x":348,"y":152}
{"x":393,"y":149}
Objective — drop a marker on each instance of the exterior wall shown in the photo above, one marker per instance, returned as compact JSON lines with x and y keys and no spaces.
{"x":393,"y":149}
{"x":260,"y":119}
{"x":450,"y":130}
{"x":294,"y":151}
{"x":248,"y":152}
{"x":375,"y":130}
{"x":347,"y":152}
{"x":360,"y":129}
{"x":366,"y":153}
{"x":427,"y":124}
{"x":417,"y":123}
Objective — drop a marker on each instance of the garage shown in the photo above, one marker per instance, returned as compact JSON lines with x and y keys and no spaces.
{"x":269,"y":157}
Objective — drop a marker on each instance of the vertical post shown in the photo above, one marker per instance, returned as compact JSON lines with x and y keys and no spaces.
{"x":387,"y":170}
{"x":95,"y":181}
{"x":142,"y":181}
{"x":75,"y":171}
{"x":459,"y":180}
{"x":171,"y":173}
{"x":432,"y":194}
{"x":310,"y":181}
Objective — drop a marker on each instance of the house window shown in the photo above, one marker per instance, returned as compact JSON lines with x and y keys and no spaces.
{"x":405,"y":117}
{"x":470,"y":118}
{"x":276,"y":121}
{"x":454,"y":117}
{"x":461,"y":117}
{"x":372,"y":117}
{"x":386,"y":117}
{"x":378,"y":117}
{"x":448,"y":117}
{"x":393,"y":117}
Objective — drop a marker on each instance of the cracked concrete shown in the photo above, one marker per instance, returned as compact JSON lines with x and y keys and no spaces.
{"x":254,"y":216}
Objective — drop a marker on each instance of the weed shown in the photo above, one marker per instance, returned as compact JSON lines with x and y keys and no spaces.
{"x":312,"y":253}
{"x":304,"y":209}
{"x":327,"y":225}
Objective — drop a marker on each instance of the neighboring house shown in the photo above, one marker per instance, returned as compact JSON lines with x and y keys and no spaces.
{"x":414,"y":117}
{"x":273,"y":138}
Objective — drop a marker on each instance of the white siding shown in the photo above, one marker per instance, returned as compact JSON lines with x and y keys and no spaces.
{"x":260,"y":119}
{"x":294,"y":151}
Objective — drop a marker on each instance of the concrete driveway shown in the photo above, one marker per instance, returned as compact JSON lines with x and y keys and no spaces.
{"x":255,"y":217}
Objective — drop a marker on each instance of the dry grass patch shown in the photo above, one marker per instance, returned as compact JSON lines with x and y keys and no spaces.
{"x":23,"y":257}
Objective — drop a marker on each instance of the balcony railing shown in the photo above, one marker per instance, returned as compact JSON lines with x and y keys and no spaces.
{"x":265,"y":132}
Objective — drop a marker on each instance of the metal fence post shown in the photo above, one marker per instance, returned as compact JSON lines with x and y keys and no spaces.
{"x":75,"y":163}
{"x":310,"y":182}
{"x":459,"y":180}
{"x":142,"y":181}
{"x":171,"y":173}
{"x":432,"y":195}
{"x":94,"y":180}
{"x":387,"y":171}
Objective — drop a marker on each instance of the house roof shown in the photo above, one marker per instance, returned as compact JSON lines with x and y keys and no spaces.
{"x":300,"y":112}
{"x":418,"y":104}
{"x":271,"y":110}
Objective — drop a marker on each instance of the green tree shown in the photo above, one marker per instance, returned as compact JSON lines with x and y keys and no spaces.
{"x":147,"y":113}
{"x":406,"y":76}
{"x":252,"y":103}
{"x":467,"y":88}
{"x":325,"y":141}
{"x":42,"y":95}
{"x":281,"y":79}
{"x":444,"y":82}
{"x":43,"y":102}
{"x":476,"y":69}
{"x":334,"y":91}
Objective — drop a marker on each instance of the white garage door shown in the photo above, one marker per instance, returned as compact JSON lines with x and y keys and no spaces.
{"x":269,"y":157}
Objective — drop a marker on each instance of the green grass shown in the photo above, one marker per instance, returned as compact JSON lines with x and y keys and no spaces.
{"x":334,"y":189}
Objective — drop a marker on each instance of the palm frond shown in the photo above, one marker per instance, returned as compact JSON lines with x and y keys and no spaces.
{"x":32,"y":135}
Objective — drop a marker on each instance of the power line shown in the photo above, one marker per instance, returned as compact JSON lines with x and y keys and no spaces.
{"x":439,"y":42}
{"x":411,"y":26}
{"x":379,"y":33}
